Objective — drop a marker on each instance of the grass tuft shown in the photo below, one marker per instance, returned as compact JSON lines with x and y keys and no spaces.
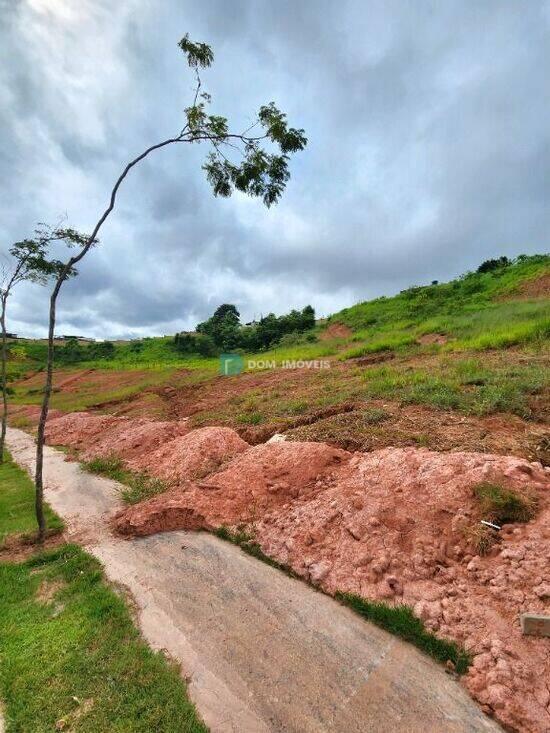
{"x":401,"y":621}
{"x":245,"y":541}
{"x":139,"y":486}
{"x":501,"y":505}
{"x":249,"y":418}
{"x":481,"y":538}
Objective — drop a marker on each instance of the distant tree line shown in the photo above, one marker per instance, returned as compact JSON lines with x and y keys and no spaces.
{"x":72,"y":351}
{"x":223,"y":331}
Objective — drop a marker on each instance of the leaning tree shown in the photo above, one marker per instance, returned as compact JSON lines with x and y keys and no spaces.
{"x":27,"y":261}
{"x":254,"y":161}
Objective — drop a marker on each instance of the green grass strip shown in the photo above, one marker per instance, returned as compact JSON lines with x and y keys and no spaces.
{"x":71,"y":656}
{"x":17,"y":515}
{"x":400,"y":621}
{"x":245,"y":541}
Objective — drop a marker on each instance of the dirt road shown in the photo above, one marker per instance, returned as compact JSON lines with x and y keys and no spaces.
{"x":262,"y":652}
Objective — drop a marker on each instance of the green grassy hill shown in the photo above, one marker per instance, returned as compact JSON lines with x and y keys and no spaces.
{"x":473,"y":347}
{"x":479,"y":310}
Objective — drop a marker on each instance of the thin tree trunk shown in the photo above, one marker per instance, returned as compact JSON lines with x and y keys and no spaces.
{"x":65,"y":273}
{"x":38,"y":479}
{"x":4,"y":381}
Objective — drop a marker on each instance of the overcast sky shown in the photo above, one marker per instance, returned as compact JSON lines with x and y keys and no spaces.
{"x":429,"y":150}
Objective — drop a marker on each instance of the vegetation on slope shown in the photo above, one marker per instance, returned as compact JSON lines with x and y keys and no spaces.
{"x":480,"y":310}
{"x":429,"y":340}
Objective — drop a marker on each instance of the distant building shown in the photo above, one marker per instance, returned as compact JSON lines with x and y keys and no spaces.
{"x":84,"y":339}
{"x":11,"y":335}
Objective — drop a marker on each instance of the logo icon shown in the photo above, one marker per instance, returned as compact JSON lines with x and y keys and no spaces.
{"x":231,"y":364}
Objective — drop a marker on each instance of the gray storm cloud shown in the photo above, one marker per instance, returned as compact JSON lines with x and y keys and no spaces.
{"x":429,"y":150}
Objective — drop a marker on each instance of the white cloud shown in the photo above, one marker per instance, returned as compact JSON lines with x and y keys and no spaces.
{"x":429,"y":150}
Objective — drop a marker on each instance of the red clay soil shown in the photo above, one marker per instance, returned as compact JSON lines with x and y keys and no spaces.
{"x":191,"y":456}
{"x":263,"y":477}
{"x":418,"y":425}
{"x":193,"y":398}
{"x":105,"y":435}
{"x":335,"y":331}
{"x":397,"y":524}
{"x":538,"y":287}
{"x":30,"y":413}
{"x":97,"y":380}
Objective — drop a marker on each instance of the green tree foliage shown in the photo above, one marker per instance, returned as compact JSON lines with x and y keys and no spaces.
{"x":205,"y":345}
{"x":490,"y":265}
{"x":73,"y":351}
{"x":225,"y":332}
{"x":223,"y":327}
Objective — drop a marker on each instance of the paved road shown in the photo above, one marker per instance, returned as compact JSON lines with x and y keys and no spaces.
{"x":262,"y":652}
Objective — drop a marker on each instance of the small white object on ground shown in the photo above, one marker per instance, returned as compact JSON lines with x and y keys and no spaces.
{"x":490,"y":524}
{"x":277,"y":438}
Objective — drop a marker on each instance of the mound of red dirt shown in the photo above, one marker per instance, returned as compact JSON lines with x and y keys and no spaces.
{"x":78,"y":429}
{"x":262,"y":477}
{"x":395,"y":525}
{"x":193,"y":455}
{"x":131,"y":438}
{"x":106,"y":435}
{"x":283,"y":470}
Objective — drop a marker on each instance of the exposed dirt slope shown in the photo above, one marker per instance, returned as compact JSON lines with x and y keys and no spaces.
{"x":105,"y":435}
{"x":193,"y":455}
{"x":539,"y":287}
{"x":394,"y":524}
{"x":248,"y":638}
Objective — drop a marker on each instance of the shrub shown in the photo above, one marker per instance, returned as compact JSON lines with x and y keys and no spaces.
{"x":490,"y":265}
{"x":375,"y":415}
{"x":205,"y":346}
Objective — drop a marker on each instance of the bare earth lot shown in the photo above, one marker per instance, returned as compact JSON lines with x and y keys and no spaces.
{"x":263,"y":652}
{"x":372,"y":493}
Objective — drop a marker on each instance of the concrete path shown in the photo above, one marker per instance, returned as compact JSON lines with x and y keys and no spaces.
{"x":261,"y":652}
